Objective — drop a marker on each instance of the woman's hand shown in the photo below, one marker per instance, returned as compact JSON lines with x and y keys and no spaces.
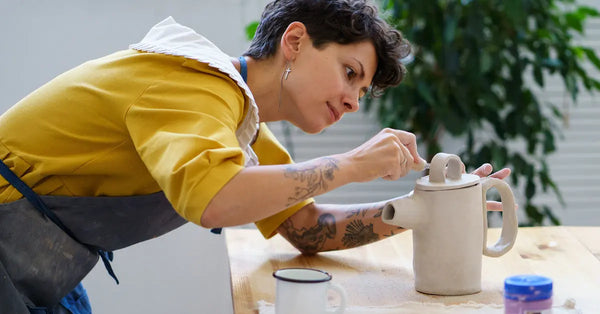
{"x":484,"y":171}
{"x":390,"y":154}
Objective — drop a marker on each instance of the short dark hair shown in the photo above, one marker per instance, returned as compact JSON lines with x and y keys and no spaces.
{"x":337,"y":21}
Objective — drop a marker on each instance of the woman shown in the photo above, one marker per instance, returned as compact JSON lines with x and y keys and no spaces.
{"x":132,"y":145}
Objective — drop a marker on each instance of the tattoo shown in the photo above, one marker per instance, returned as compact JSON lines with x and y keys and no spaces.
{"x":379,"y":212}
{"x":311,"y":240}
{"x":358,"y":212}
{"x":392,"y":233}
{"x":362,"y":212}
{"x":358,"y":234}
{"x":312,"y":178}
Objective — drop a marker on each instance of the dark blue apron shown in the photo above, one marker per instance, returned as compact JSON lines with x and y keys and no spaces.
{"x":48,"y":244}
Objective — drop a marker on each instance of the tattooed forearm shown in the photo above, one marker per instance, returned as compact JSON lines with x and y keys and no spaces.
{"x":310,"y":240}
{"x":315,"y":227}
{"x":312,"y":179}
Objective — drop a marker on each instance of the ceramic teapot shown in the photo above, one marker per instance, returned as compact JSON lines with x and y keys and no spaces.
{"x":447,"y":213}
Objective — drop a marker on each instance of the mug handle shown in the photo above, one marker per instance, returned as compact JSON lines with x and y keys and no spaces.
{"x":337,"y":288}
{"x":509,"y":218}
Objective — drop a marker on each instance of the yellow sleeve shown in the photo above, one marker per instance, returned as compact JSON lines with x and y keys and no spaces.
{"x":183,"y":127}
{"x":271,"y":152}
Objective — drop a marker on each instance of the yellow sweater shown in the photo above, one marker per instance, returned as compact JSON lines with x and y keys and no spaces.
{"x":134,"y":123}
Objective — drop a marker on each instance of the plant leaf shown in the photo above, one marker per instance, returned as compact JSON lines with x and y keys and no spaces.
{"x":251,"y":30}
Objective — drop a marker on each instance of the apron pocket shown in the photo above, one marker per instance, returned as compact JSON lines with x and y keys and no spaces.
{"x":43,"y":263}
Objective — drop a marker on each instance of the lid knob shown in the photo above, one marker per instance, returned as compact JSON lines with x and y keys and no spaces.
{"x":438,"y":165}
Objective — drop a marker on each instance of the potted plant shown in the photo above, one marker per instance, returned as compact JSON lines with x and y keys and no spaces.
{"x":475,"y":73}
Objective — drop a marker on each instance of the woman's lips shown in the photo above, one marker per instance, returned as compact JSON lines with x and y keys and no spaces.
{"x":335,"y":116}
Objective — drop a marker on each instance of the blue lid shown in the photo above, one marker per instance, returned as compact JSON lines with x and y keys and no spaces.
{"x":527,"y":287}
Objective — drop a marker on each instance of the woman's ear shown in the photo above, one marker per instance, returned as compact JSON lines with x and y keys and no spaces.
{"x":292,"y":40}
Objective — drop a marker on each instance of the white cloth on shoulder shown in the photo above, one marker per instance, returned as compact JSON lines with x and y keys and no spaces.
{"x":169,"y":37}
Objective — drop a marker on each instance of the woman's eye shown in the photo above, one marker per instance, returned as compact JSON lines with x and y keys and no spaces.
{"x":350,"y":73}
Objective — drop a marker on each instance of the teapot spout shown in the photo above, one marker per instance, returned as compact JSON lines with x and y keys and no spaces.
{"x":402,"y":212}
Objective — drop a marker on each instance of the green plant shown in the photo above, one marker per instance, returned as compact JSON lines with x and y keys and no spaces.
{"x":469,"y":77}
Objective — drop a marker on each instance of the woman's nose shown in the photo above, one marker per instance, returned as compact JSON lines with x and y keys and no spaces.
{"x":351,"y":102}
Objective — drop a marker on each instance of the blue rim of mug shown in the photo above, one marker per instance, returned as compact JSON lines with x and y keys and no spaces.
{"x":328,"y":276}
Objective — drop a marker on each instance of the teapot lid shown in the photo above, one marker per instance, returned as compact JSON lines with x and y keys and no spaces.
{"x":445,"y":178}
{"x":465,"y":180}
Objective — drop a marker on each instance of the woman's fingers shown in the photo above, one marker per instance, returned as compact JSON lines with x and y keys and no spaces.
{"x":402,"y":164}
{"x":486,"y":169}
{"x":494,"y":206}
{"x":497,"y":206}
{"x":483,"y":170}
{"x":501,"y":174}
{"x":405,"y":153}
{"x":409,"y":140}
{"x":390,"y":154}
{"x":419,"y":166}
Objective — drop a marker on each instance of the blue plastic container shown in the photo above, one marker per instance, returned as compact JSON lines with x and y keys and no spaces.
{"x":527,"y":294}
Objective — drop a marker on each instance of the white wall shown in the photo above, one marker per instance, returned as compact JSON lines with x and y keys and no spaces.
{"x":576,"y":163}
{"x":185,"y":271}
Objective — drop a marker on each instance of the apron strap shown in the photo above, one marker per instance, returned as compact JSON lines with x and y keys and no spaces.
{"x":37,"y":202}
{"x":243,"y":69}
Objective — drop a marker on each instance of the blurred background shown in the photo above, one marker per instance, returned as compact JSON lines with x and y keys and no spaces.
{"x":186,"y":271}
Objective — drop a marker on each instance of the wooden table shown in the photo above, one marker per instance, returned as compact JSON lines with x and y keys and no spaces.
{"x":380,"y":274}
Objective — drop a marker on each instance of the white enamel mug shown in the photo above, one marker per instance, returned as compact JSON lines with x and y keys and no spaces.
{"x":304,"y":290}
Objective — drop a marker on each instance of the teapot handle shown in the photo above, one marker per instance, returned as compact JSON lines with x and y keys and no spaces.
{"x":509,"y":218}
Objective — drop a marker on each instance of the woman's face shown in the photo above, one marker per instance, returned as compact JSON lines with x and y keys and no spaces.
{"x":326,"y":83}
